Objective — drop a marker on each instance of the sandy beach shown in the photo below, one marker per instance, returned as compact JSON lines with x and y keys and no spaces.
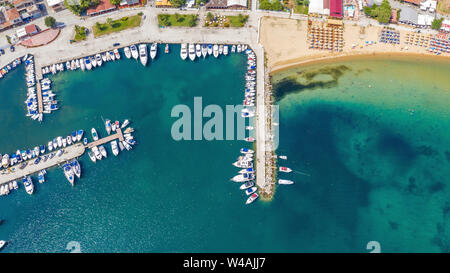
{"x":285,"y":44}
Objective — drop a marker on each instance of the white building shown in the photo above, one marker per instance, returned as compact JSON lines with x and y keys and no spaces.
{"x":424,"y":20}
{"x":56,"y":5}
{"x":428,"y":5}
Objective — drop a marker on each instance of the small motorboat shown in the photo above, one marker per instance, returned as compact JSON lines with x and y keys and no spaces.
{"x":249,"y":139}
{"x":216,"y":51}
{"x":285,"y":182}
{"x":76,"y":167}
{"x":134,"y":52}
{"x":166,"y":49}
{"x":251,"y":190}
{"x":2,"y":244}
{"x":85,"y":141}
{"x":108,"y":126}
{"x":68,"y":172}
{"x":125,"y":123}
{"x":69,"y":140}
{"x":192,"y":52}
{"x":102,"y":151}
{"x":74,"y":136}
{"x":247,"y":151}
{"x":114,"y":147}
{"x":80,"y":134}
{"x":127,"y":52}
{"x":29,"y":187}
{"x":283,"y":157}
{"x":153,"y":50}
{"x":284,"y":169}
{"x":252,"y":198}
{"x":247,"y":185}
{"x":116,"y":53}
{"x":198,"y":50}
{"x":94,"y":134}
{"x":92,"y":157}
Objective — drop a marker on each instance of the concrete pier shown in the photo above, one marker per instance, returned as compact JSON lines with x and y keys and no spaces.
{"x":117,"y":135}
{"x":16,"y":173}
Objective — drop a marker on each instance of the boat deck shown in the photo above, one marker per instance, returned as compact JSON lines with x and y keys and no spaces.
{"x":16,"y":173}
{"x":117,"y":135}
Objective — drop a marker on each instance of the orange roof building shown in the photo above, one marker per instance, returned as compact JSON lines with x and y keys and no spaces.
{"x":415,"y":2}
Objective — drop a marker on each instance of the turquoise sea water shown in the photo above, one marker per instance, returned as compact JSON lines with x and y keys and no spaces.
{"x":375,"y":171}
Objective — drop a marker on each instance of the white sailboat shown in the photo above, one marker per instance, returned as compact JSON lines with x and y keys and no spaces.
{"x":94,"y":134}
{"x":225,"y":50}
{"x":134,"y":52}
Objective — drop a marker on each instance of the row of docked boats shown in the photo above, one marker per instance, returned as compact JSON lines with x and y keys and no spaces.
{"x":250,"y":80}
{"x":284,"y":170}
{"x":38,"y":153}
{"x":49,"y":102}
{"x":140,"y":52}
{"x":32,"y":101}
{"x":9,"y":67}
{"x":6,"y":188}
{"x":246,"y":175}
{"x":99,"y":152}
{"x":194,"y":51}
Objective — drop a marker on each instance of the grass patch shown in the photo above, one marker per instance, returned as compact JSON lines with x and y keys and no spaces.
{"x":116,"y":25}
{"x":80,"y":34}
{"x":237,"y":21}
{"x":177,"y":20}
{"x":300,"y":6}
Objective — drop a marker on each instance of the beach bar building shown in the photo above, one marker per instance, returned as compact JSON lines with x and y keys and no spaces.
{"x":336,"y":8}
{"x":103,"y":7}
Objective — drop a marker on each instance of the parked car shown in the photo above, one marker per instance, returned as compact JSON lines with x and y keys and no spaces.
{"x":116,"y":44}
{"x":11,"y":48}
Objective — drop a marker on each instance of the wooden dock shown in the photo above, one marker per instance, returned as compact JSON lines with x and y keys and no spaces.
{"x":15,"y":173}
{"x":117,"y":135}
{"x":39,"y":77}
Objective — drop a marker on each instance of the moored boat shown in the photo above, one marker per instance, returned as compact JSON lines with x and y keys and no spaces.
{"x":102,"y":151}
{"x":166,"y":49}
{"x":153,"y":50}
{"x":134,"y":52}
{"x":94,"y":134}
{"x":79,"y":134}
{"x":127,"y":52}
{"x":192,"y":52}
{"x":252,"y":198}
{"x":247,"y":151}
{"x":285,"y":169}
{"x":183,"y":51}
{"x":247,"y":185}
{"x":92,"y":157}
{"x":216,"y":51}
{"x":251,"y":190}
{"x":114,"y":147}
{"x":76,"y":167}
{"x":143,"y":54}
{"x":68,"y":172}
{"x":108,"y":126}
{"x":198,"y":50}
{"x":28,"y":183}
{"x":116,"y":53}
{"x":285,"y":182}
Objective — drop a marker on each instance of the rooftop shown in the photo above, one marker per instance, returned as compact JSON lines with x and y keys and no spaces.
{"x":104,"y":5}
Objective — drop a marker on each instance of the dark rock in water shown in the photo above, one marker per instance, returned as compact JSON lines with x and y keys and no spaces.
{"x":393,"y":225}
{"x":293,"y":85}
{"x":1,"y":221}
{"x":439,"y":186}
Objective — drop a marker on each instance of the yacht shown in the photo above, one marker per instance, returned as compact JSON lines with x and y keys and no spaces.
{"x":93,"y":61}
{"x":112,"y":55}
{"x":249,"y":139}
{"x":98,"y":58}
{"x":198,"y":50}
{"x":15,"y":185}
{"x":79,"y":134}
{"x":36,"y":150}
{"x":243,"y":177}
{"x":216,"y":51}
{"x":283,"y":157}
{"x":191,"y":52}
{"x":42,"y":148}
{"x":59,"y":141}
{"x":102,"y":151}
{"x":166,"y":49}
{"x":183,"y":51}
{"x":125,"y":123}
{"x":153,"y":50}
{"x":92,"y":157}
{"x":285,"y":182}
{"x":68,"y":172}
{"x":249,"y":128}
{"x":114,"y":147}
{"x":88,"y":63}
{"x":76,"y":167}
{"x":143,"y":54}
{"x":82,"y":65}
{"x":134,"y":52}
{"x":251,"y":190}
{"x":239,"y":49}
{"x":285,"y":169}
{"x":252,"y":198}
{"x":85,"y":141}
{"x":94,"y":134}
{"x":69,"y":140}
{"x":127,"y":146}
{"x":64,"y":142}
{"x":74,"y":136}
{"x":108,"y":126}
{"x":248,"y":170}
{"x":97,"y":153}
{"x":233,"y":48}
{"x":225,"y":50}
{"x":104,"y":57}
{"x":29,"y":187}
{"x":247,"y":185}
{"x":210,"y":49}
{"x":204,"y":51}
{"x":116,"y":53}
{"x":127,"y":52}
{"x":243,"y":164}
{"x":5,"y":161}
{"x":220,"y":49}
{"x":49,"y":145}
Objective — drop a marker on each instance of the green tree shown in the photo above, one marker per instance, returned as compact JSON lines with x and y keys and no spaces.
{"x":177,"y":3}
{"x":115,"y":2}
{"x":437,"y":23}
{"x":110,"y":22}
{"x":50,"y":21}
{"x":209,"y":16}
{"x":276,"y":5}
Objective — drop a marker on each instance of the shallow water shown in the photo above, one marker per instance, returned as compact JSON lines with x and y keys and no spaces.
{"x":359,"y":146}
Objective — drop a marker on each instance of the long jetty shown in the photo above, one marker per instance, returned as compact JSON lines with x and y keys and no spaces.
{"x":16,"y":173}
{"x":39,"y":88}
{"x":117,"y":135}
